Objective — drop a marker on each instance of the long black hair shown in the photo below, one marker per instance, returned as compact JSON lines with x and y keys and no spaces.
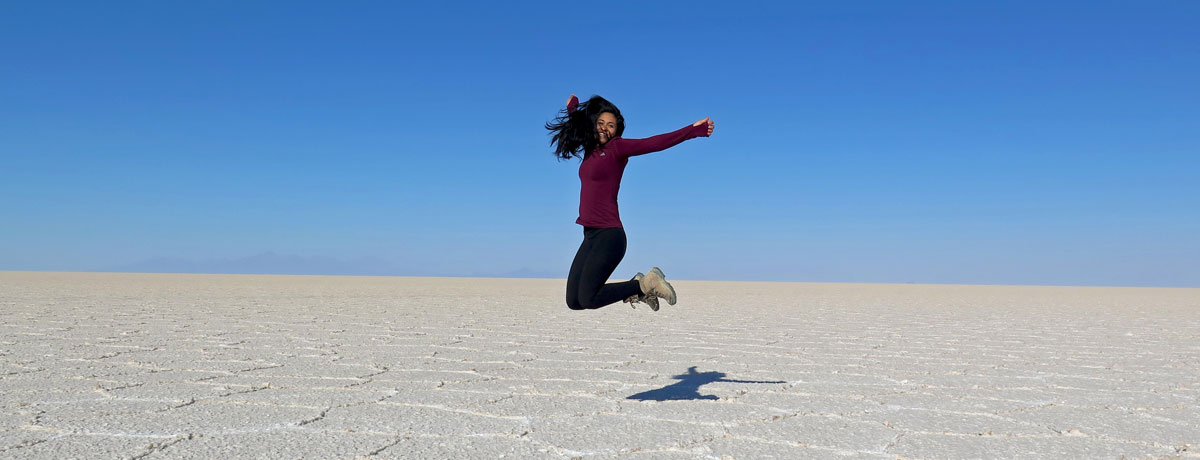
{"x":573,"y":135}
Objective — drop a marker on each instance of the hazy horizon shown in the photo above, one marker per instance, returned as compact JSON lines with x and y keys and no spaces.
{"x":270,"y":263}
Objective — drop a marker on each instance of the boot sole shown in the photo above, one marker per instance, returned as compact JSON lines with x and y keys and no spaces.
{"x":671,"y":299}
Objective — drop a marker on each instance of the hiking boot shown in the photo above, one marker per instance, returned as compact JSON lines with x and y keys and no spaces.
{"x":655,"y":284}
{"x":650,"y":300}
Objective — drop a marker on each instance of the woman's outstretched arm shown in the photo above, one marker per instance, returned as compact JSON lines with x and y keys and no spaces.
{"x":634,"y":147}
{"x":572,"y":103}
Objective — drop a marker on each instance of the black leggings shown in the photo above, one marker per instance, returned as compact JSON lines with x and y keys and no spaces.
{"x":598,"y":256}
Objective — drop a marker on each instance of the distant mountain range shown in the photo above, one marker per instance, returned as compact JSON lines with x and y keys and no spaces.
{"x":270,"y":263}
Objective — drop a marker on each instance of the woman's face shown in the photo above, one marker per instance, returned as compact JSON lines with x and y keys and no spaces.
{"x":606,"y":127}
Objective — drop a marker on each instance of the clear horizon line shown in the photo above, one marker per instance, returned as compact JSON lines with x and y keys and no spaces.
{"x":564,"y":279}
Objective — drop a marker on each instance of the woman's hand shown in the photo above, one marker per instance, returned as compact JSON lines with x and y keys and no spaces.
{"x":710,"y":125}
{"x":572,"y":103}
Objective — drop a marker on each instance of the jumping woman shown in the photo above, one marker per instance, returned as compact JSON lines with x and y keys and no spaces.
{"x":592,"y":131}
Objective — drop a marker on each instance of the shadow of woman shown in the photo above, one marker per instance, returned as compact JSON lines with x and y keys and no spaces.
{"x":688,"y":386}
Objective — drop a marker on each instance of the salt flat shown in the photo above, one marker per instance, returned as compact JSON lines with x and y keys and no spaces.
{"x":219,"y":366}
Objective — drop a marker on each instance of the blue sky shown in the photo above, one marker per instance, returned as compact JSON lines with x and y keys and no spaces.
{"x":929,"y":142}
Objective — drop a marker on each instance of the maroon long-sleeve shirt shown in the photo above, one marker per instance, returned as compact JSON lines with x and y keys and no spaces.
{"x":601,"y":170}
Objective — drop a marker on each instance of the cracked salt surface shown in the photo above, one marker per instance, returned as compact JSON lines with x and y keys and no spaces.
{"x":211,"y":366}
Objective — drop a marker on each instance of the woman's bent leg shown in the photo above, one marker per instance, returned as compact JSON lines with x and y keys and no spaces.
{"x":576,"y":273}
{"x":605,"y":251}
